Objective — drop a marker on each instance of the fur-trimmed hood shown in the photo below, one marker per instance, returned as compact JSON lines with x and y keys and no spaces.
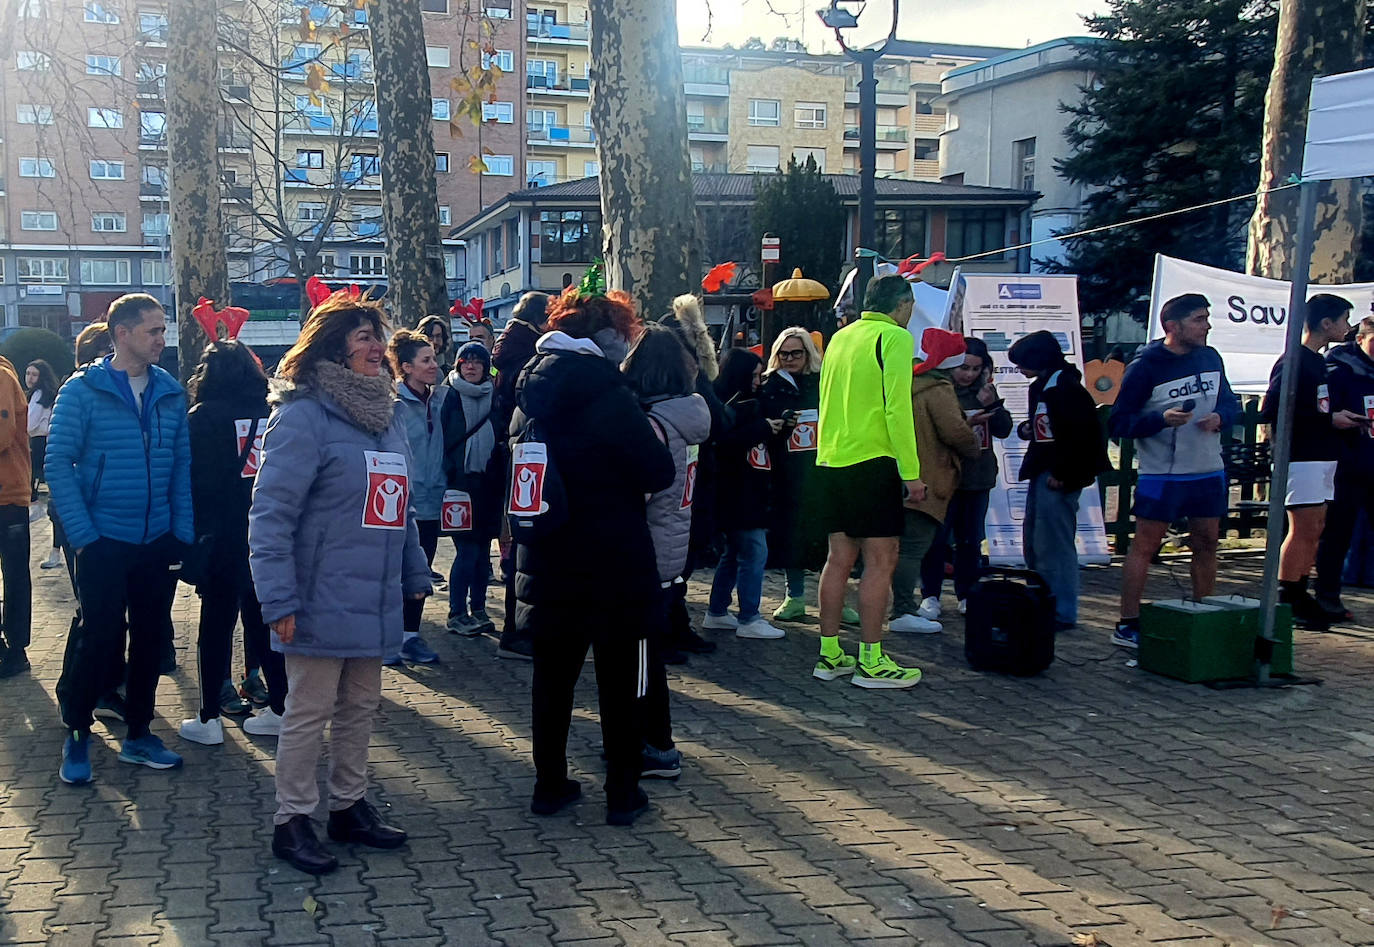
{"x":690,"y":324}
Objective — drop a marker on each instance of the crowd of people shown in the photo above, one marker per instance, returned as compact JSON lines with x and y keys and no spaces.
{"x":608,"y":457}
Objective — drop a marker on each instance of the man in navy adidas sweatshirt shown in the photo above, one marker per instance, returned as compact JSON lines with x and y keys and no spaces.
{"x":1174,"y":403}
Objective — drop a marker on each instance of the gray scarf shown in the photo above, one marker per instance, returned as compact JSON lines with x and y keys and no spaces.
{"x":366,"y":400}
{"x":476,"y":402}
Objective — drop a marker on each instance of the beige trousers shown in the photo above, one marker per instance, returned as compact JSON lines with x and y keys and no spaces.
{"x":345,"y":693}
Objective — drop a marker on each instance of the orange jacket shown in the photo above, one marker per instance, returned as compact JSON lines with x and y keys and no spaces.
{"x":15,"y":469}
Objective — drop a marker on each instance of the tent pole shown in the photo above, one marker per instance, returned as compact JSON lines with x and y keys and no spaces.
{"x":1283,"y":434}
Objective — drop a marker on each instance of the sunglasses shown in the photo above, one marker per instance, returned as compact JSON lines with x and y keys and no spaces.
{"x":791,"y":353}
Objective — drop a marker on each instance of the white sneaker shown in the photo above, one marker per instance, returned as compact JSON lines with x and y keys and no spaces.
{"x":914,"y":625}
{"x":930,"y":608}
{"x":207,"y":732}
{"x":963,"y":606}
{"x":264,"y":723}
{"x":726,"y":622}
{"x":758,"y":628}
{"x":53,"y":561}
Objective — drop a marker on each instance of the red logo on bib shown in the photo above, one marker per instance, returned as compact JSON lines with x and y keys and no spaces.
{"x":1042,"y":424}
{"x":242,"y":427}
{"x":528,"y":465}
{"x":455,"y":515}
{"x":388,"y":489}
{"x":758,"y":457}
{"x":689,"y":486}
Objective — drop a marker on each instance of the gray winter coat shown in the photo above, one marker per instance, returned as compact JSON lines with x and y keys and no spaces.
{"x":685,"y":423}
{"x":426,"y":437}
{"x":332,"y":541}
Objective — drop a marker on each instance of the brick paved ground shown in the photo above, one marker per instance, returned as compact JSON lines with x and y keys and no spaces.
{"x":970,"y":810}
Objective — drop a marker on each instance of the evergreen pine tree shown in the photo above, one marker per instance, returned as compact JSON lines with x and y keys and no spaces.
{"x":801,"y":208}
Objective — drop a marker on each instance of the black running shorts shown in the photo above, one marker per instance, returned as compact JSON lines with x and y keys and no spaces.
{"x":862,"y":501}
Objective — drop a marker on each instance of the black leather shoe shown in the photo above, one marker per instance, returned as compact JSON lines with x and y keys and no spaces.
{"x":550,"y":801}
{"x":362,"y":824}
{"x":294,"y":842}
{"x":623,"y":810}
{"x":14,"y":662}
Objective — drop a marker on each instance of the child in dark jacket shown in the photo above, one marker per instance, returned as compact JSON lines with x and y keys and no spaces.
{"x":1066,"y":453}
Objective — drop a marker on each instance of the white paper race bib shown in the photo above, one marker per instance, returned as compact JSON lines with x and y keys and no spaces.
{"x":980,"y":428}
{"x":1041,"y":425}
{"x":241,"y":428}
{"x":1369,"y":413}
{"x":455,"y":515}
{"x":388,"y":490}
{"x":758,"y":457}
{"x":1324,"y":399}
{"x":689,"y":486}
{"x":804,"y":434}
{"x":528,"y":465}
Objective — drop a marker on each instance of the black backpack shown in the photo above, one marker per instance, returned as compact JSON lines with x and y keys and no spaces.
{"x":1009,"y":626}
{"x":536,"y":500}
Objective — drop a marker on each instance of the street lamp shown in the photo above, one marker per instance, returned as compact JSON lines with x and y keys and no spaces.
{"x":838,"y":16}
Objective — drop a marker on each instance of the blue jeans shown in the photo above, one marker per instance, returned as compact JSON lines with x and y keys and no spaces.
{"x":467,"y":579}
{"x":965,"y":526}
{"x":746,"y":551}
{"x":1048,"y":538}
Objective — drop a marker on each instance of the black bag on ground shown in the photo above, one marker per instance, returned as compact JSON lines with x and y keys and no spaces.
{"x":1009,"y":626}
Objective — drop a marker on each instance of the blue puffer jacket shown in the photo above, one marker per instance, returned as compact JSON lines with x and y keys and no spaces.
{"x":112,"y":474}
{"x":426,"y":437}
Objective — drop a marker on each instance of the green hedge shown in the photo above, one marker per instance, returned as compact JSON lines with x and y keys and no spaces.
{"x":30,"y":343}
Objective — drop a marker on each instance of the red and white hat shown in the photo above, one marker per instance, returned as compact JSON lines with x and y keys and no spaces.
{"x":943,"y":349}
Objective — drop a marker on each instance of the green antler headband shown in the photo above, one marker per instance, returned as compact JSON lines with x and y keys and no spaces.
{"x":593,"y":282}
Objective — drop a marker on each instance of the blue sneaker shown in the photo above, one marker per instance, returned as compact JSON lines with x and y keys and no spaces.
{"x":416,"y":651}
{"x":76,"y":759}
{"x":148,"y":751}
{"x":1127,"y":634}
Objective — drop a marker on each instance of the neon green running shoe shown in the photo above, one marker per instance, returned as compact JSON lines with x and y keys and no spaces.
{"x":827,"y":669}
{"x":791,"y":609}
{"x":885,"y":673}
{"x":849,"y":616}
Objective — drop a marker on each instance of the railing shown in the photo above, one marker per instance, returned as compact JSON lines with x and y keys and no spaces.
{"x":568,"y":31}
{"x":237,"y":142}
{"x":241,"y":193}
{"x":563,"y":84}
{"x":558,"y":134}
{"x":703,"y":168}
{"x":713,"y":125}
{"x":884,"y":133}
{"x":152,"y":88}
{"x":148,"y":189}
{"x":887,"y":85}
{"x":928,"y":126}
{"x":236,"y":91}
{"x":152,"y":139}
{"x":706,"y":75}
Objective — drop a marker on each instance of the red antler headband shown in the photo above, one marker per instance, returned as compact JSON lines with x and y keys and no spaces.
{"x":910,"y":267}
{"x":470,"y":312}
{"x":233,"y":318}
{"x":317,"y":291}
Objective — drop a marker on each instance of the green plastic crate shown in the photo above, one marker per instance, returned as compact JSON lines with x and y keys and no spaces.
{"x":1212,"y":640}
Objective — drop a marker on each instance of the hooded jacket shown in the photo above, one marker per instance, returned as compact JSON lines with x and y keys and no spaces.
{"x":1350,"y":377}
{"x":425,"y":434}
{"x":512,"y":351}
{"x":331,"y":538}
{"x":114,"y":473}
{"x":685,"y":423}
{"x":944,"y":440}
{"x":1065,"y":437}
{"x":1158,"y":380}
{"x":609,"y":459}
{"x":221,"y":487}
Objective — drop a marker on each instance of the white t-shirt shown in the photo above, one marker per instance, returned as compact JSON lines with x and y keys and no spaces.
{"x":138,"y":384}
{"x":40,"y":418}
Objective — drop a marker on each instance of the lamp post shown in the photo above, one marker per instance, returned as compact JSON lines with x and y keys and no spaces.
{"x":838,"y":16}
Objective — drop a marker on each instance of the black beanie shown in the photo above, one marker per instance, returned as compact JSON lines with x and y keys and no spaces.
{"x":1038,"y":352}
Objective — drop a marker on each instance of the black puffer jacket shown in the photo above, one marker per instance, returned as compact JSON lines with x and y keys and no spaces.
{"x":796,"y":538}
{"x":220,"y":492}
{"x":609,"y":459}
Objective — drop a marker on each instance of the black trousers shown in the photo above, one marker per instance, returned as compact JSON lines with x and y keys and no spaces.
{"x":112,"y":579}
{"x":560,"y":648}
{"x":17,"y":620}
{"x":655,"y":717}
{"x":1353,"y":493}
{"x":413,"y":608}
{"x":225,"y":599}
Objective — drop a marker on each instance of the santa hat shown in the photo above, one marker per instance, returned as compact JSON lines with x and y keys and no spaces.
{"x":943,"y":349}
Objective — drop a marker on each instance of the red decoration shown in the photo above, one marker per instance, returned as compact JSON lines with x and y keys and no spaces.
{"x":469,"y":312}
{"x":317,"y":291}
{"x":763,"y":298}
{"x":909,"y":267}
{"x":718,"y":276}
{"x":233,"y":318}
{"x":939,"y":346}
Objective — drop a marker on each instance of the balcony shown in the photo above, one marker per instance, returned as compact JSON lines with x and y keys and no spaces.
{"x":558,"y":135}
{"x":928,"y":125}
{"x":558,"y":86}
{"x":153,"y":35}
{"x":557,"y":32}
{"x":234,"y":142}
{"x":237,"y":193}
{"x":887,"y":85}
{"x":297,"y":177}
{"x":153,"y":140}
{"x":701,"y":167}
{"x":706,"y":80}
{"x":152,"y":88}
{"x":888,"y":136}
{"x":152,"y":191}
{"x":708,"y":128}
{"x":925,"y":169}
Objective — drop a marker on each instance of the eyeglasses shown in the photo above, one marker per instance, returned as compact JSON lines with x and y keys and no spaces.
{"x":791,"y":353}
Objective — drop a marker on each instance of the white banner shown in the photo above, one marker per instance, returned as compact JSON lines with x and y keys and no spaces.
{"x":1000,"y":309}
{"x":1249,"y":314}
{"x":1340,"y":127}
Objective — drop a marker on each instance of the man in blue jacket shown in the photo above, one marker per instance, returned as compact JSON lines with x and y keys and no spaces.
{"x":1174,"y":402}
{"x":120,"y":476}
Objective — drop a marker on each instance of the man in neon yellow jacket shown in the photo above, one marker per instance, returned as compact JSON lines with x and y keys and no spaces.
{"x":867,"y":464}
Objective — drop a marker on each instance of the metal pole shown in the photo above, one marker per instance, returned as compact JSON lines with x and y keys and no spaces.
{"x":1283,"y":431}
{"x":868,"y":160}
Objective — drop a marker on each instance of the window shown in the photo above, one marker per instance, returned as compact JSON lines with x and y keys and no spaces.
{"x":498,"y":9}
{"x":502,"y":112}
{"x":696,"y":115}
{"x":30,"y":60}
{"x":441,"y":162}
{"x":38,"y":220}
{"x":38,"y":269}
{"x":1023,"y":172}
{"x":37,"y":168}
{"x":762,"y":158}
{"x":504,"y":60}
{"x":800,"y":155}
{"x":698,"y":157}
{"x":155,"y":225}
{"x":975,"y":230}
{"x":439,"y":109}
{"x":541,"y":73}
{"x":901,"y":232}
{"x":32,"y":9}
{"x":366,"y":264}
{"x":309,"y":158}
{"x":366,"y":165}
{"x":152,"y":27}
{"x":445,"y":215}
{"x":34,"y":114}
{"x":96,"y":13}
{"x":541,"y":173}
{"x":500,"y":165}
{"x":497,"y":258}
{"x":104,"y":66}
{"x":156,"y":273}
{"x":104,"y":118}
{"x":766,"y":112}
{"x":434,"y":6}
{"x":569,"y":236}
{"x":309,"y":211}
{"x":152,"y":79}
{"x":109,"y":222}
{"x":105,"y":272}
{"x":152,"y":127}
{"x":450,"y":267}
{"x":809,"y":114}
{"x":540,"y":119}
{"x":154,"y":180}
{"x":512,"y":243}
{"x":437,"y":56}
{"x":591,"y":169}
{"x":886,"y":161}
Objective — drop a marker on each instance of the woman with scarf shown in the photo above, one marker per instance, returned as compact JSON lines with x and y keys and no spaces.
{"x":333,"y":549}
{"x":474,"y":479}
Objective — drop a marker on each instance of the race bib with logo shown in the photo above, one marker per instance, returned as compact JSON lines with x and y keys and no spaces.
{"x":455,"y":514}
{"x":758,"y":457}
{"x":804,"y":434}
{"x":689,"y":485}
{"x":388,"y":489}
{"x":528,"y":466}
{"x":1324,"y":399}
{"x":242,"y":427}
{"x":1041,"y":424}
{"x":1369,"y":413}
{"x":980,"y":429}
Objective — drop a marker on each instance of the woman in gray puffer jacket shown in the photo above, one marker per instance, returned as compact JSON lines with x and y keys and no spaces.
{"x":333,"y":548}
{"x":663,"y":374}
